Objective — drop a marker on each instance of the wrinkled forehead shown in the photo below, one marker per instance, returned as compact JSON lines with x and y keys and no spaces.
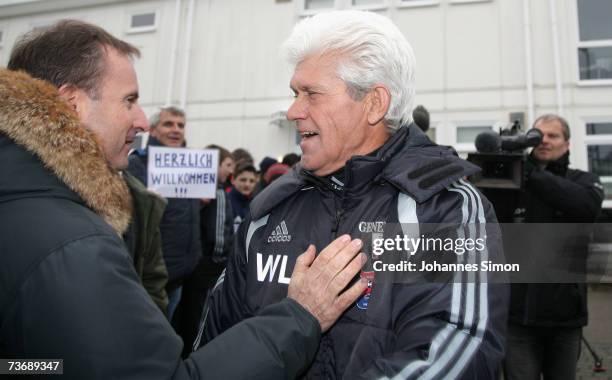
{"x":319,"y":67}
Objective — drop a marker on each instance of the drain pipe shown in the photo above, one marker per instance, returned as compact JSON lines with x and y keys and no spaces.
{"x":557,"y":59}
{"x":173,"y":52}
{"x":528,"y":62}
{"x":187,"y":58}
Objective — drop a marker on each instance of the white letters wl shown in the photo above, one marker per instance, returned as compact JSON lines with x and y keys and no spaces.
{"x":269,"y":269}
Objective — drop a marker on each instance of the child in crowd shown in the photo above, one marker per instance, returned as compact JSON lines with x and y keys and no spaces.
{"x":243,"y":183}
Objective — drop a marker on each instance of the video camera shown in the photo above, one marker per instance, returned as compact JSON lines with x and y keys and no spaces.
{"x":502,"y":158}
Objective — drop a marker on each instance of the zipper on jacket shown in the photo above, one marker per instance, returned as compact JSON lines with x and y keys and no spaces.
{"x":339,"y":213}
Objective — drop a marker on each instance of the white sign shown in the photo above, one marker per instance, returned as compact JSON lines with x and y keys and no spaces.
{"x":183,"y":173}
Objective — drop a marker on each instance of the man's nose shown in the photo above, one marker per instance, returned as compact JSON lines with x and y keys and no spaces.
{"x":296,"y":111}
{"x":140,"y":122}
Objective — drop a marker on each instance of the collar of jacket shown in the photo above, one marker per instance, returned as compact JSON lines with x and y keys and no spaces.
{"x":558,"y":167}
{"x":33,"y":117}
{"x":408,"y":160}
{"x":153,"y":142}
{"x":238,"y":196}
{"x":421,"y":168}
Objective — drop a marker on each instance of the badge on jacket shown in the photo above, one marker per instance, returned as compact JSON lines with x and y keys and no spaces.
{"x":362,"y":302}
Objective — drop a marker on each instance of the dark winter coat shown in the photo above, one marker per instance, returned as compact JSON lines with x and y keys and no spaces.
{"x":557,"y":194}
{"x":240,"y":206}
{"x":68,"y":288}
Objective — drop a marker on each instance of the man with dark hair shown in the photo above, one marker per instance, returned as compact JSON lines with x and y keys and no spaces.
{"x":69,"y":289}
{"x":546,"y":320}
{"x":180,"y":224}
{"x":71,"y":53}
{"x":242,"y":155}
{"x":76,"y":57}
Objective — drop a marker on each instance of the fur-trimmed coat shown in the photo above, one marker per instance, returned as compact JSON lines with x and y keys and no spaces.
{"x":68,"y":288}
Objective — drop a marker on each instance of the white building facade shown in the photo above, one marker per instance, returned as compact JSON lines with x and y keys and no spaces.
{"x":480,"y":64}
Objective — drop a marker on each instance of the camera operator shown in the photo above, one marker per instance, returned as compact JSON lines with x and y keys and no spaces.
{"x":546,"y":320}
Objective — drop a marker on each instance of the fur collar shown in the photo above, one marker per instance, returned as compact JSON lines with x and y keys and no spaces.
{"x":33,"y":116}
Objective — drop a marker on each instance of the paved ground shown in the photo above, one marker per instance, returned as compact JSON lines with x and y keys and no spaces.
{"x":598,"y":333}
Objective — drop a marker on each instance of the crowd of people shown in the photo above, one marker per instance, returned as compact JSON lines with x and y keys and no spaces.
{"x":119,"y":282}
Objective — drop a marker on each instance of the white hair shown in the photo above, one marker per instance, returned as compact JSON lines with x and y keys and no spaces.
{"x":373,"y":49}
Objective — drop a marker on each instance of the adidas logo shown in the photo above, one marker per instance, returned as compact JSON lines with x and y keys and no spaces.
{"x":280,"y":234}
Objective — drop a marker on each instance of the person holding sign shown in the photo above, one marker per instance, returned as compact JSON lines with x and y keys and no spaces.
{"x":217,"y":231}
{"x":69,"y":289}
{"x":180,"y":224}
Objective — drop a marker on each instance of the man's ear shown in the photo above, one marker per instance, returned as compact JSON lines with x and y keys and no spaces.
{"x":75,"y":97}
{"x":379,"y":100}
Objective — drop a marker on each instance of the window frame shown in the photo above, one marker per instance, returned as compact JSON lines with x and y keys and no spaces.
{"x":344,"y":4}
{"x":142,"y":29}
{"x":368,"y":7}
{"x":302,"y":11}
{"x":470,"y":147}
{"x":587,"y":44}
{"x":591,"y":140}
{"x":415,"y":3}
{"x":469,"y":1}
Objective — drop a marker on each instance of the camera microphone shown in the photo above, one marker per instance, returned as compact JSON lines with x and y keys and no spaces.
{"x":491,"y":142}
{"x":488,"y":142}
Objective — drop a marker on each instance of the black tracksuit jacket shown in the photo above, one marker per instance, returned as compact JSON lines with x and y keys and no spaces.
{"x":437,"y":329}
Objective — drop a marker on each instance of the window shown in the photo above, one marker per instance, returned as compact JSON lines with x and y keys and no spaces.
{"x":143,"y":22}
{"x":599,"y":154}
{"x":595,"y":40}
{"x":594,"y":129}
{"x":467,"y":134}
{"x":360,"y":3}
{"x":415,"y":3}
{"x":468,"y":1}
{"x":310,"y":5}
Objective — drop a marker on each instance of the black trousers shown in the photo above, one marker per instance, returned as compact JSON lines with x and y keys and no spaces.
{"x":188,"y":314}
{"x":549,"y":351}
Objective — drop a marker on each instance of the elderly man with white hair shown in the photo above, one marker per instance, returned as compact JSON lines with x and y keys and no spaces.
{"x":366,"y":167}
